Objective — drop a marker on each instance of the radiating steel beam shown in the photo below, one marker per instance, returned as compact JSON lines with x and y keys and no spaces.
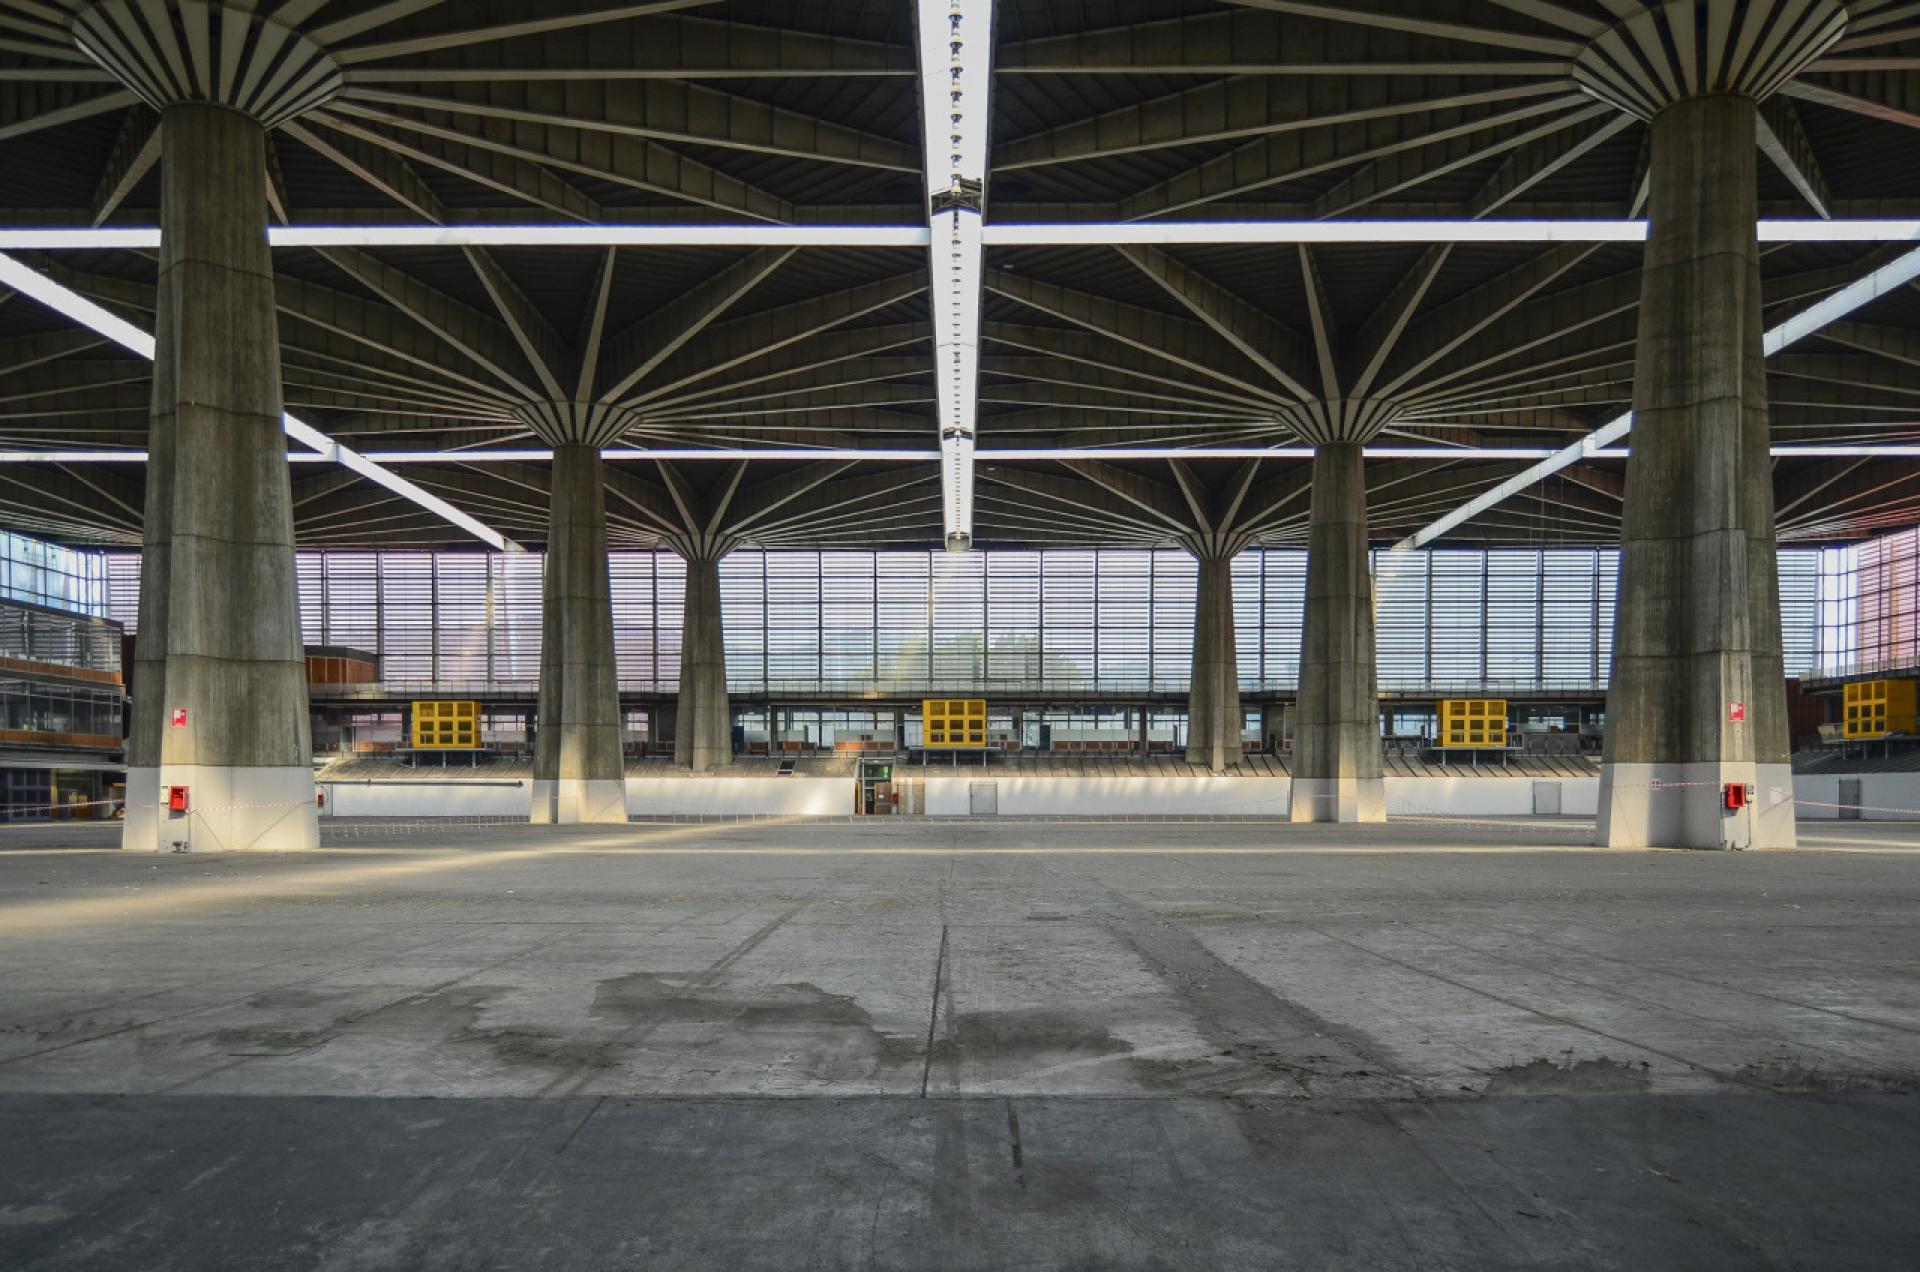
{"x":71,"y":304}
{"x":1897,"y":273}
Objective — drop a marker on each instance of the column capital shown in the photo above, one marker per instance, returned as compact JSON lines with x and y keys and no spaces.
{"x":702,"y":547}
{"x":220,"y":54}
{"x":576,"y":423}
{"x":1661,"y":54}
{"x":1215,"y":547}
{"x":1325,"y":422}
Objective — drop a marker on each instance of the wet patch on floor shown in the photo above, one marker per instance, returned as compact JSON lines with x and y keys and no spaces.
{"x":537,"y":1049}
{"x":1251,"y":1068}
{"x":1025,"y":1040}
{"x":265,"y":1040}
{"x":826,"y":1037}
{"x":1778,"y":1075}
{"x":1541,"y":1076}
{"x":448,"y":1015}
{"x":643,"y":998}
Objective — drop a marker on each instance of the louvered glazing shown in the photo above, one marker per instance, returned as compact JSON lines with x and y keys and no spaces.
{"x":1075,"y":622}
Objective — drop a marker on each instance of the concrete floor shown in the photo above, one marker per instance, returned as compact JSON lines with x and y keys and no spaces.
{"x":986,"y":1045}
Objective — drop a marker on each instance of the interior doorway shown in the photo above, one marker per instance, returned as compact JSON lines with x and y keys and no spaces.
{"x":875,"y":794}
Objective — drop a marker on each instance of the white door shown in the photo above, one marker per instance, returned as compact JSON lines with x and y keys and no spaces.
{"x":983,"y":799}
{"x":1849,"y":799}
{"x":1546,"y":799}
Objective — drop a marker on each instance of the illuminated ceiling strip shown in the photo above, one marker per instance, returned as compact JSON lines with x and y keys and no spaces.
{"x":1896,"y":273}
{"x":1438,"y":454}
{"x":1126,"y":233}
{"x":64,"y":300}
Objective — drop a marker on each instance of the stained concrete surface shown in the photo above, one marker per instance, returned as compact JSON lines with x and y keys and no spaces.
{"x":973,"y":1045}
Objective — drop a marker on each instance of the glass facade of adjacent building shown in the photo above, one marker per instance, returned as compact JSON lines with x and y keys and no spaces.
{"x":40,"y":573}
{"x":1869,"y":606}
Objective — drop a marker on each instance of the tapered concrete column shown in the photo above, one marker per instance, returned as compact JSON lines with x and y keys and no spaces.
{"x":1697,"y":628}
{"x":704,"y":731}
{"x":1336,"y":745}
{"x":1213,"y":699}
{"x":220,"y":676}
{"x":579,"y":773}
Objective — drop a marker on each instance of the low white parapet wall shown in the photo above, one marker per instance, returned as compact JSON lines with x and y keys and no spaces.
{"x":1487,"y":796}
{"x":740,"y":796}
{"x":1114,"y":796}
{"x":1883,"y":796}
{"x":503,"y":797}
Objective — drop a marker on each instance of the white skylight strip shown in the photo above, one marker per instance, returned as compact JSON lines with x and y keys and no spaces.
{"x":1176,"y":233}
{"x":1149,"y":233}
{"x":1895,"y":273}
{"x":1589,"y":448}
{"x":1227,"y":233}
{"x":746,"y":235}
{"x":69,"y":303}
{"x":1868,"y":231}
{"x":67,"y":240}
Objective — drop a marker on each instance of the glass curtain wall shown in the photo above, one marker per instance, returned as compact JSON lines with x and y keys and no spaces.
{"x":1868,"y":608}
{"x":47,"y":574}
{"x":1032,"y":622}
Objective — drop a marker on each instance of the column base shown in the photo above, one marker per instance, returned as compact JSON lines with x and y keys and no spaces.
{"x":1681,"y":806}
{"x":230,"y":808}
{"x":578,"y":801}
{"x":1337,"y":799}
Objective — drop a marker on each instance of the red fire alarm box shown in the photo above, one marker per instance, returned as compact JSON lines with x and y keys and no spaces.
{"x":176,"y":799}
{"x":179,"y":717}
{"x":1738,"y":794}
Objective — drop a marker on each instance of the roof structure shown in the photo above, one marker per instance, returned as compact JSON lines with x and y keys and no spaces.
{"x":762,"y":112}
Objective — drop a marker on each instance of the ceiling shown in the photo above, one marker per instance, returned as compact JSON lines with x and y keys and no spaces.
{"x":588,"y":111}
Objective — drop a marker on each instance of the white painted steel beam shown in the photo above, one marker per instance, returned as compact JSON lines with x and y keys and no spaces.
{"x":71,"y":304}
{"x":956,"y":59}
{"x":1896,"y":273}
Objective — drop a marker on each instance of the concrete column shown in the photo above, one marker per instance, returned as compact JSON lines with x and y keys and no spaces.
{"x":579,"y":772}
{"x":1213,"y":700}
{"x":1697,"y":627}
{"x":1336,"y":740}
{"x":220,"y":672}
{"x":705,"y":736}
